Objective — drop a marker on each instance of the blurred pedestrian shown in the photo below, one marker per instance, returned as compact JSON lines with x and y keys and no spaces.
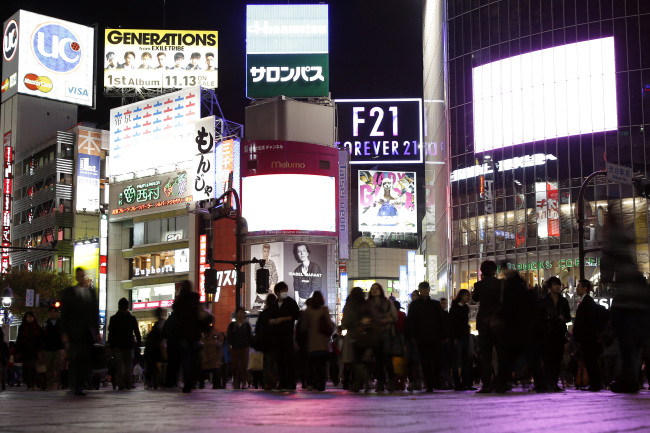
{"x":427,"y":329}
{"x":4,"y":361}
{"x":284,"y":313}
{"x":28,"y":345}
{"x":359,"y":337}
{"x":187,"y":306}
{"x":263,"y":341}
{"x":225,"y":360}
{"x":400,"y":362}
{"x":319,"y":327}
{"x":53,"y":348}
{"x":211,"y":359}
{"x":80,"y":320}
{"x":384,"y":314}
{"x":122,"y":328}
{"x":155,"y":352}
{"x":171,"y":335}
{"x":555,"y":313}
{"x":459,"y":332}
{"x":239,"y":334}
{"x":589,"y":321}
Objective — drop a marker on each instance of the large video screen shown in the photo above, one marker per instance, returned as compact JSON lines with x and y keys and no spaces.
{"x":289,"y":203}
{"x":387,"y":202}
{"x":555,"y":92}
{"x":160,"y":59}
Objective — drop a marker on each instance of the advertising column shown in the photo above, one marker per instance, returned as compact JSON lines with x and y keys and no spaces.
{"x":7,"y":184}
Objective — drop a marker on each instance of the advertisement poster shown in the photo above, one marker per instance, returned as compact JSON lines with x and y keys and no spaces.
{"x":160,"y":59}
{"x":547,"y":209}
{"x":387,"y":202}
{"x":88,"y":160}
{"x":302,"y":265}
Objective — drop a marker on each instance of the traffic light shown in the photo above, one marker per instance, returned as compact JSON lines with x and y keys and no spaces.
{"x":262,"y":280}
{"x":642,"y":187}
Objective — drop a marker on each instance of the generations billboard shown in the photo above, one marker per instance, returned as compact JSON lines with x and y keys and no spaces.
{"x":302,"y":265}
{"x":150,"y":134}
{"x":387,"y":202}
{"x":160,"y":59}
{"x":381,"y":130}
{"x":289,"y":187}
{"x":555,"y":92}
{"x":287,"y":50}
{"x":48,"y":58}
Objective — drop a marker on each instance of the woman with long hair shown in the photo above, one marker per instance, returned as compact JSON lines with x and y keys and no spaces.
{"x":384,"y":314}
{"x":28,"y":346}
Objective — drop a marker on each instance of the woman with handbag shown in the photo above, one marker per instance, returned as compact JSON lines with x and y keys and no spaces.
{"x":384,"y":314}
{"x":28,"y":346}
{"x":319,"y":327}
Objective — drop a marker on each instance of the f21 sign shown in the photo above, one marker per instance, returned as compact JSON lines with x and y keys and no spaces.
{"x":381,"y":130}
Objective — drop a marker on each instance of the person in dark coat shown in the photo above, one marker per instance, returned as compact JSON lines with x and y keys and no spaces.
{"x":589,"y":320}
{"x":487,"y":293}
{"x":80,"y":320}
{"x":284,"y":314}
{"x":122,"y":328}
{"x":263,"y":342}
{"x":554,"y":314}
{"x":28,"y":344}
{"x":459,"y":332}
{"x":53,"y":348}
{"x":186,"y":306}
{"x":425,"y":324}
{"x":171,"y":336}
{"x":239,"y":335}
{"x":4,"y":360}
{"x":153,"y":351}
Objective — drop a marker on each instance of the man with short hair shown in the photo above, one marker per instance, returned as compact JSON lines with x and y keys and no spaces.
{"x":555,"y":313}
{"x":161,"y":56}
{"x":194,"y":62}
{"x":146,"y":58}
{"x":589,"y":320}
{"x":178,"y":60}
{"x":426,"y":328}
{"x":209,"y":62}
{"x":110,"y":60}
{"x":129,"y":57}
{"x":121,"y":329}
{"x":283,"y":315}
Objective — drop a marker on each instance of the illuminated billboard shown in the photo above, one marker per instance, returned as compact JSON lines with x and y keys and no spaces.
{"x":151,"y":134}
{"x":555,"y":92}
{"x":387,"y":202}
{"x":381,"y":130}
{"x":299,"y":178}
{"x":160,"y":59}
{"x":48,"y":58}
{"x":302,"y":265}
{"x":287,"y":50}
{"x":88,"y":161}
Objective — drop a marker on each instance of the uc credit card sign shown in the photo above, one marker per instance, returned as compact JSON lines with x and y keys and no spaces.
{"x":54,"y":58}
{"x":381,"y":130}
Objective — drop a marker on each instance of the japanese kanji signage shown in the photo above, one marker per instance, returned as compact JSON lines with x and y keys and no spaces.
{"x":547,"y":209}
{"x":204,"y":164}
{"x":88,"y":159}
{"x":381,"y":130}
{"x":287,"y":51}
{"x":150,"y":193}
{"x":8,"y":179}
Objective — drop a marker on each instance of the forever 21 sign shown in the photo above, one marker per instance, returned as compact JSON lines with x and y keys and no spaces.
{"x":380,"y":130}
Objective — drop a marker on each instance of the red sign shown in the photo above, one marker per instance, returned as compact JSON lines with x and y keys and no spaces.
{"x":203,"y":252}
{"x":7,"y":185}
{"x":152,"y":304}
{"x":102,"y":264}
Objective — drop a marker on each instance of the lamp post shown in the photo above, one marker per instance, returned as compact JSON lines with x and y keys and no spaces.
{"x":7,"y":297}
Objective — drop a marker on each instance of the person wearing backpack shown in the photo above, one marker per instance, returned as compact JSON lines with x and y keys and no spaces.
{"x":589,"y":321}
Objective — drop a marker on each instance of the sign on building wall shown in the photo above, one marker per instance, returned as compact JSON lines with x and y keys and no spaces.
{"x":387,"y":202}
{"x":48,"y":58}
{"x":160,"y":59}
{"x":547,"y":209}
{"x":7,"y":185}
{"x":287,"y":50}
{"x":343,"y":216}
{"x":88,"y":162}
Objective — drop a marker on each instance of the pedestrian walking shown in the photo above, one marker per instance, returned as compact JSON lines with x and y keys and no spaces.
{"x":319,"y":328}
{"x":187,"y":306}
{"x":263,"y":342}
{"x":80,"y":320}
{"x":459,"y":332}
{"x":155,"y":352}
{"x":239,"y":334}
{"x":123,"y":332}
{"x":211,"y":359}
{"x":361,"y":336}
{"x":384,"y":314}
{"x":53,"y":348}
{"x":555,"y":313}
{"x":28,"y":345}
{"x":284,"y":313}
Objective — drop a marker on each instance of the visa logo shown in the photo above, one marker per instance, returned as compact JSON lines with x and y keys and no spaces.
{"x":76,"y":92}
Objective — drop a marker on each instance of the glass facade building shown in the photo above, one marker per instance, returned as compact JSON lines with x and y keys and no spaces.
{"x":540,"y":94}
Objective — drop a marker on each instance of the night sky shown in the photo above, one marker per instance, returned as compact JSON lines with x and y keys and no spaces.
{"x":375,"y":45}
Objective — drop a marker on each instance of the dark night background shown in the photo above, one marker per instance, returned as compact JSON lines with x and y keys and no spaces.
{"x":375,"y":45}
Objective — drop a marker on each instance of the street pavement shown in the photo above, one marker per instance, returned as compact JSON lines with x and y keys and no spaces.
{"x":334,"y":410}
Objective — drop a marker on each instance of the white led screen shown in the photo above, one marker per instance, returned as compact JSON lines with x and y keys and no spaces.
{"x":289,"y":202}
{"x":555,"y":92}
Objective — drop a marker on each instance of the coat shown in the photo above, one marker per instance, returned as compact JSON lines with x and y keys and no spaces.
{"x":459,"y":321}
{"x":353,"y":312}
{"x":425,"y":321}
{"x":211,"y":354}
{"x":29,"y":341}
{"x":589,"y":321}
{"x":488,"y":293}
{"x":239,"y":337}
{"x":316,"y":341}
{"x":187,"y":309}
{"x":121,"y":329}
{"x":554,"y":317}
{"x":283,"y":332}
{"x":80,"y":314}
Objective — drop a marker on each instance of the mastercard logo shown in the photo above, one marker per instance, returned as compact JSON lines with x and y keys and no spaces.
{"x":34,"y":82}
{"x":5,"y":85}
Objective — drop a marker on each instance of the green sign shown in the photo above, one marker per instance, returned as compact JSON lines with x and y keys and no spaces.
{"x":547,"y":264}
{"x":293,"y":75}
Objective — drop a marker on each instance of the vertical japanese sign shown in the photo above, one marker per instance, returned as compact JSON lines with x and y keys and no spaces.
{"x":103,"y":260}
{"x":7,"y":185}
{"x":547,"y":209}
{"x":432,"y":269}
{"x":410,"y":264}
{"x":88,"y":160}
{"x":343,"y":217}
{"x":203,"y":253}
{"x":203,"y":176}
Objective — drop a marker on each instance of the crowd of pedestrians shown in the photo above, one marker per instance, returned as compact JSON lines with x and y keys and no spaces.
{"x":523,"y":339}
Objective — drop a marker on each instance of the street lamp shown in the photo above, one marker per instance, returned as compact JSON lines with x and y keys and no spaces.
{"x":7,"y":297}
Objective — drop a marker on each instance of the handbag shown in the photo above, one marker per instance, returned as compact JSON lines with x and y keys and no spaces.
{"x":256,"y":361}
{"x":497,"y":321}
{"x":393,"y":344}
{"x":368,"y":337}
{"x":325,"y":325}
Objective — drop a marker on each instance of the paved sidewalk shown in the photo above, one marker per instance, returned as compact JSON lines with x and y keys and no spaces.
{"x":332,"y":411}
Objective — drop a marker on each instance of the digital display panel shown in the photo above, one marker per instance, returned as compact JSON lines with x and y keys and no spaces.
{"x":154,"y":133}
{"x":287,"y":50}
{"x":555,"y":92}
{"x":387,"y":202}
{"x":160,"y":59}
{"x":381,"y":130}
{"x":295,"y":203}
{"x":48,"y":58}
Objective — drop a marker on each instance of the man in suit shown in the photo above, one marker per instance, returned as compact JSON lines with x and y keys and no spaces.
{"x":426,"y":327}
{"x":284,"y":314}
{"x":80,"y":320}
{"x":588,"y":322}
{"x":487,"y":293}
